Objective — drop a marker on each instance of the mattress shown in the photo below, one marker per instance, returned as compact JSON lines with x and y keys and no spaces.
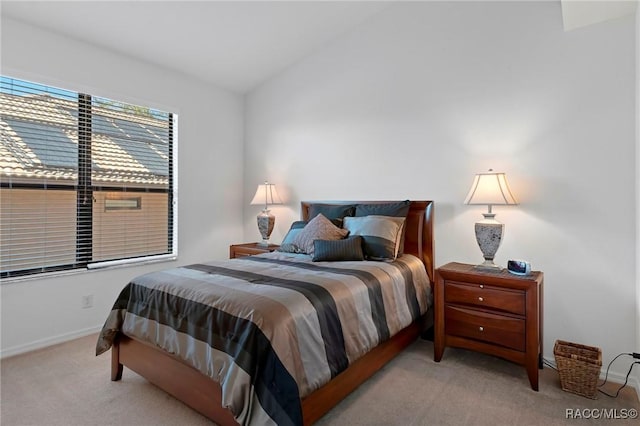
{"x":271,"y":328}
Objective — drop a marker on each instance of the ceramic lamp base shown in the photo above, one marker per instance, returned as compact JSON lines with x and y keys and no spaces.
{"x":265,"y":225}
{"x":489,"y":236}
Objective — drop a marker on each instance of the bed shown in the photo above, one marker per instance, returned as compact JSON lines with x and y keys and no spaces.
{"x":264,"y":368}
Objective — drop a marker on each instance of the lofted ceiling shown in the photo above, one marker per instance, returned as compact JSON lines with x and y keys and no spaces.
{"x":233,"y":44}
{"x":580,"y":13}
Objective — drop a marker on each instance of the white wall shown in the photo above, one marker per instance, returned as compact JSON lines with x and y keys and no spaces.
{"x":43,"y":311}
{"x":415,"y":101}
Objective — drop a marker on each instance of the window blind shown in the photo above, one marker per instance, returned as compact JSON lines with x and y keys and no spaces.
{"x":65,"y":157}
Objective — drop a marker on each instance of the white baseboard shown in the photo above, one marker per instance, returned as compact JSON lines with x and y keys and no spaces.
{"x":43,"y":343}
{"x":614,"y":377}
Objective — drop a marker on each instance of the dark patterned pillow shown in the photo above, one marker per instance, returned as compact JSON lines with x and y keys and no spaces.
{"x":349,"y":248}
{"x":318,"y":228}
{"x":381,"y":235}
{"x":331,"y":211}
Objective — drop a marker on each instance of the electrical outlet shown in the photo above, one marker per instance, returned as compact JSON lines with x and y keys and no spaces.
{"x":87,"y":301}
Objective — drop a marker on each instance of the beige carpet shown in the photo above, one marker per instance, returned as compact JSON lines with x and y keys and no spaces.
{"x":67,"y":385}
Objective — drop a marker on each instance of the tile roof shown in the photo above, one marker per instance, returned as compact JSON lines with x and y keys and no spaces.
{"x":39,"y":140}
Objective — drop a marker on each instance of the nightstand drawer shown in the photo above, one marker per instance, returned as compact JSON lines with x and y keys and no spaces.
{"x":484,"y":296}
{"x":497,"y":329}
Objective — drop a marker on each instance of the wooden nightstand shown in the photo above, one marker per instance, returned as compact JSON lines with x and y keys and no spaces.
{"x":249,"y":249}
{"x":497,"y":313}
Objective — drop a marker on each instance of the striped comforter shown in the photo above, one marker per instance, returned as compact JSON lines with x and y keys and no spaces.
{"x":271,"y":328}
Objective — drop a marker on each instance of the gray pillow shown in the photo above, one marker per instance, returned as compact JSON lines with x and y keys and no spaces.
{"x":381,"y":235}
{"x":287,"y":246}
{"x":349,"y":248}
{"x":318,"y":228}
{"x":397,"y":209}
{"x":293,"y":231}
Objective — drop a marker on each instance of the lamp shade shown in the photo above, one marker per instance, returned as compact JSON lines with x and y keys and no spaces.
{"x":266,"y":194}
{"x":490,"y":189}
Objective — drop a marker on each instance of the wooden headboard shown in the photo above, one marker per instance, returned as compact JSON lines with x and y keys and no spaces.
{"x":418,"y":239}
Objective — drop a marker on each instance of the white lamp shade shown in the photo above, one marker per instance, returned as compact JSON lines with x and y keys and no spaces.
{"x":490,"y":189}
{"x":266,"y":194}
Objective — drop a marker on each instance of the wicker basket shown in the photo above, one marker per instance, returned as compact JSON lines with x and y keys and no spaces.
{"x":579,"y":367}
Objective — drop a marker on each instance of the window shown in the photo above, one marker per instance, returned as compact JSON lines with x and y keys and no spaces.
{"x":84,"y":181}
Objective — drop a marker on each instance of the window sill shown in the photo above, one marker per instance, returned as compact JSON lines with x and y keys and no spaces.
{"x":117,"y":264}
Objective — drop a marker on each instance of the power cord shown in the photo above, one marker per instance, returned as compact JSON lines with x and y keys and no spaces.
{"x":548,"y":364}
{"x":635,"y":355}
{"x":606,"y":376}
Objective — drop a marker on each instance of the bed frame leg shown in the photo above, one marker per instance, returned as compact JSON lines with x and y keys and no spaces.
{"x":116,"y":367}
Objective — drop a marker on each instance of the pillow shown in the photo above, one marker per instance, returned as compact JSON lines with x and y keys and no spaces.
{"x":318,"y":228}
{"x":331,"y":211}
{"x":381,"y":235}
{"x":287,"y":246}
{"x":338,"y":250}
{"x":399,"y":209}
{"x":295,"y":228}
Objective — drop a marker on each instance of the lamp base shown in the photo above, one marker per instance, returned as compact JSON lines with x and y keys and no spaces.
{"x":489,"y":236}
{"x":265,"y":225}
{"x":263,"y":243}
{"x":488,"y":266}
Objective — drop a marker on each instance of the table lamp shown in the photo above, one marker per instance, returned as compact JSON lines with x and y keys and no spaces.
{"x":266,"y":194}
{"x":489,"y":189}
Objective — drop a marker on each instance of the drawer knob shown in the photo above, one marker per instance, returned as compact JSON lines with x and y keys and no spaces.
{"x":481,"y":286}
{"x":481,"y":328}
{"x":480,"y":299}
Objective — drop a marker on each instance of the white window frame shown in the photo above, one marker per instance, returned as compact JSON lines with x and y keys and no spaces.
{"x":173,"y":255}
